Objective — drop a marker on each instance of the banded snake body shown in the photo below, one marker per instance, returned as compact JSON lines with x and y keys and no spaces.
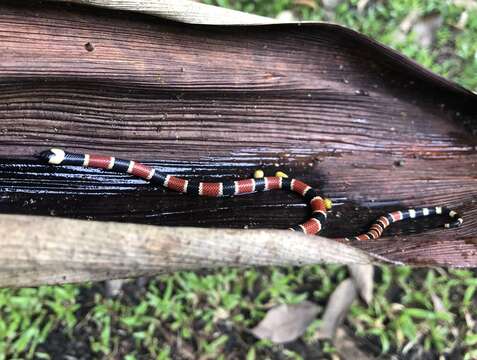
{"x":319,"y":206}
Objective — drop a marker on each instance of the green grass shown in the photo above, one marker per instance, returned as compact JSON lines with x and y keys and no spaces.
{"x":209,"y":314}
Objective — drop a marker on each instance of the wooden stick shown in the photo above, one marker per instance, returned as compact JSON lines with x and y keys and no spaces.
{"x":43,"y":250}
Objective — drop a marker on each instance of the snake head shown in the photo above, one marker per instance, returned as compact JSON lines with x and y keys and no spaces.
{"x":52,"y":156}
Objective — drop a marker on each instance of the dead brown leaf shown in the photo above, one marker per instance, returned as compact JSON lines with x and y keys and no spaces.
{"x":309,"y":3}
{"x":438,"y":303}
{"x":337,"y":308}
{"x":426,"y":27}
{"x":363,"y":277}
{"x":112,"y":288}
{"x":286,"y":323}
{"x":362,"y":5}
{"x":347,"y":346}
{"x":330,"y":4}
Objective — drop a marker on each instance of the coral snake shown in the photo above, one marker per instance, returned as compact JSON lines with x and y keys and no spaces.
{"x":319,"y":206}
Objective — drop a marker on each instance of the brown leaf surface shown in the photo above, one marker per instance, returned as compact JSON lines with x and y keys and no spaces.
{"x":318,"y":101}
{"x":286,"y":323}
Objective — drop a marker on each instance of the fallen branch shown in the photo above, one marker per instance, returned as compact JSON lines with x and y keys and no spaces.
{"x":42,"y":250}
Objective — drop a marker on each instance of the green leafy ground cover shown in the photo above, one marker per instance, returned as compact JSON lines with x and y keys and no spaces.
{"x":415,"y":312}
